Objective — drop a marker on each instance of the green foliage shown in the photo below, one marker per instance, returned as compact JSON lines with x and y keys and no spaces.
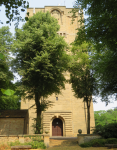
{"x":37,"y":126}
{"x":106,"y":123}
{"x":7,"y":98}
{"x":10,"y":102}
{"x":41,"y":59}
{"x":37,"y":138}
{"x":105,"y":72}
{"x":40,"y":55}
{"x":34,"y":144}
{"x":81,"y":77}
{"x":5,"y":75}
{"x":7,"y":92}
{"x":11,"y":9}
{"x":1,"y":56}
{"x":107,"y":130}
{"x":101,"y":22}
{"x":99,"y":142}
{"x":87,"y":144}
{"x":14,"y":143}
{"x":100,"y":29}
{"x":104,"y":117}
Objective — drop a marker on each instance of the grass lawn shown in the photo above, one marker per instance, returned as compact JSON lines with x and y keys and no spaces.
{"x":78,"y":148}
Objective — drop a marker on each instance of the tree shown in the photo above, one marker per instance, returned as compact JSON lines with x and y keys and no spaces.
{"x":100,"y":29}
{"x":11,"y":9}
{"x":9,"y":102}
{"x":81,"y":77}
{"x":106,"y":123}
{"x":105,"y":117}
{"x":5,"y":44}
{"x":41,"y":59}
{"x":7,"y":99}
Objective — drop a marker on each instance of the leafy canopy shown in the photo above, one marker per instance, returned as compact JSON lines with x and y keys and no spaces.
{"x":7,"y":98}
{"x":100,"y":29}
{"x":11,"y":9}
{"x":81,"y":77}
{"x":81,"y":73}
{"x":105,"y":117}
{"x":41,"y":60}
{"x":106,"y":123}
{"x":5,"y":75}
{"x":41,"y":57}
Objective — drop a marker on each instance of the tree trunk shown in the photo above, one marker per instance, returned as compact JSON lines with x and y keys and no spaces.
{"x":85,"y":114}
{"x":38,"y":119}
{"x":88,"y":117}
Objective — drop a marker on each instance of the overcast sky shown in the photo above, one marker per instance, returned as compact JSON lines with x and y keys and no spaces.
{"x":42,"y":3}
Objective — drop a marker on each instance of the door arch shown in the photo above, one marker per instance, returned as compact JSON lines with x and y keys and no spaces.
{"x":57,"y":127}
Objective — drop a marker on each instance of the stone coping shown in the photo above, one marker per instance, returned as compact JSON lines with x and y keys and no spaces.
{"x":21,"y":146}
{"x":88,"y":134}
{"x":30,"y":149}
{"x":23,"y":135}
{"x":46,"y":135}
{"x":59,"y":111}
{"x":63,"y":138}
{"x":49,"y":6}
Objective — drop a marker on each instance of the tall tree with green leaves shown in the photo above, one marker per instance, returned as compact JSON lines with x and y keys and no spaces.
{"x":106,"y":123}
{"x":103,"y":117}
{"x":40,"y":60}
{"x":5,"y":74}
{"x":100,"y":29}
{"x":9,"y":102}
{"x":81,"y":77}
{"x":11,"y":9}
{"x":7,"y":99}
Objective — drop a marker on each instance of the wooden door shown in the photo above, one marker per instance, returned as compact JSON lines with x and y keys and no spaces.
{"x":57,"y":127}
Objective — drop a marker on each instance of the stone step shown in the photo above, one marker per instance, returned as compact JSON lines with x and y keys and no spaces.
{"x":63,"y":141}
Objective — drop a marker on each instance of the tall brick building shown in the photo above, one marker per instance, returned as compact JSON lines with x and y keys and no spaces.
{"x":68,"y":114}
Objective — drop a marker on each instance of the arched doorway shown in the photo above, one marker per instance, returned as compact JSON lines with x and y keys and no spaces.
{"x":57,"y":127}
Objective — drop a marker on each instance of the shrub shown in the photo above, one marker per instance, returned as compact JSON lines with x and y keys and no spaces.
{"x":94,"y":143}
{"x":37,"y":138}
{"x":15,"y":143}
{"x":35,"y":143}
{"x":107,"y":131}
{"x":111,"y":141}
{"x":87,"y":144}
{"x":99,"y":142}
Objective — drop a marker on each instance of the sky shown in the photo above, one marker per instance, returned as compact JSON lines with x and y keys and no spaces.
{"x":36,"y":4}
{"x":69,"y":4}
